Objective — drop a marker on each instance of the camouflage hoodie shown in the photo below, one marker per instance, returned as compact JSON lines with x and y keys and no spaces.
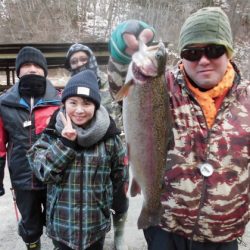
{"x":213,"y":208}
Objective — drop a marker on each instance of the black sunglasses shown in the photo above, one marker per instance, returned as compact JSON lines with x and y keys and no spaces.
{"x":195,"y":54}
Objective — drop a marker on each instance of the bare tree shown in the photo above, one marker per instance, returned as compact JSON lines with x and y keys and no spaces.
{"x":93,"y":20}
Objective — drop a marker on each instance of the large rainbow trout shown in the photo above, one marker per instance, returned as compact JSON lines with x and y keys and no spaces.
{"x":147,"y":127}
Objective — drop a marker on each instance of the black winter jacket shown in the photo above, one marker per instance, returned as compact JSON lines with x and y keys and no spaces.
{"x":20,"y":127}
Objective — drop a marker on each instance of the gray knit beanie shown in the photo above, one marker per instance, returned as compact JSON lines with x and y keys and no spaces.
{"x":31,"y":55}
{"x":209,"y":25}
{"x":83,"y":84}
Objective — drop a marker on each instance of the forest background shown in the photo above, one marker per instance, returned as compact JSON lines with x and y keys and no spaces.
{"x":68,"y":21}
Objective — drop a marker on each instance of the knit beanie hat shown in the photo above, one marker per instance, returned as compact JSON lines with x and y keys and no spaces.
{"x":83,"y":84}
{"x":209,"y":25}
{"x":31,"y":55}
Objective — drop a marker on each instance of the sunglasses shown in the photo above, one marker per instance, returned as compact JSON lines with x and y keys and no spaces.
{"x":195,"y":54}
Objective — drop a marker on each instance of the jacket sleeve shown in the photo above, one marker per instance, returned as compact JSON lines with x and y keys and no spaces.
{"x":116,"y":76}
{"x":3,"y":141}
{"x":119,"y":177}
{"x":49,"y":157}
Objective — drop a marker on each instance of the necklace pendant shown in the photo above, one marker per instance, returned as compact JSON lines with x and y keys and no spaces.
{"x":206,"y":169}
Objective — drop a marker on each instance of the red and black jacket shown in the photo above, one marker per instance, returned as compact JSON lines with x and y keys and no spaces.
{"x":20,"y":127}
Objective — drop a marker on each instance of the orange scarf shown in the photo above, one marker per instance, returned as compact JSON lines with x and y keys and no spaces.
{"x":207,"y":100}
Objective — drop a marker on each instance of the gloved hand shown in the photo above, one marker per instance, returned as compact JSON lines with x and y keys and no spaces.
{"x":2,"y":191}
{"x":124,"y":39}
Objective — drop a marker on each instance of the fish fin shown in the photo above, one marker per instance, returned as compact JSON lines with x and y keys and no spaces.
{"x":147,"y":218}
{"x":123,"y":92}
{"x":129,"y":75}
{"x":135,"y":188}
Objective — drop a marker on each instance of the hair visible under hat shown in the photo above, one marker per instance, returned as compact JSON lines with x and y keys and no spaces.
{"x":31,"y":55}
{"x":209,"y":25}
{"x":83,"y":84}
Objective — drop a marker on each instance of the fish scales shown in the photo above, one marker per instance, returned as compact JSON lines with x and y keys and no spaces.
{"x":146,"y":120}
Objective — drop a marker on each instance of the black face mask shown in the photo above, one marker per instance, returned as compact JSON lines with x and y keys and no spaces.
{"x":77,"y":70}
{"x":32,"y":85}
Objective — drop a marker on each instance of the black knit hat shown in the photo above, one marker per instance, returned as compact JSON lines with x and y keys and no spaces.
{"x":83,"y":84}
{"x":31,"y":55}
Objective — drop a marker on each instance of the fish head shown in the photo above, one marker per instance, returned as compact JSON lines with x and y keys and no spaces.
{"x":161,"y":57}
{"x":150,"y":60}
{"x":147,"y":62}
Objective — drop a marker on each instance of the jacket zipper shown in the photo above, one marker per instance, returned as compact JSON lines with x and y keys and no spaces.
{"x":30,"y":133}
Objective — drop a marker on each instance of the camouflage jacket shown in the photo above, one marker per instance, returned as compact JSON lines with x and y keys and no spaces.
{"x":107,"y":100}
{"x":213,"y":208}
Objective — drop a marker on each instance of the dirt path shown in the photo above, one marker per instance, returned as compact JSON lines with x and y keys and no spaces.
{"x":9,"y":239}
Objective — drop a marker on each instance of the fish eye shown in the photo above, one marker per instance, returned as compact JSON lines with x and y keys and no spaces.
{"x":158,"y":55}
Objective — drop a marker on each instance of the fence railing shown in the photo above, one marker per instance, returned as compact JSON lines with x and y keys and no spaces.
{"x":55,"y":54}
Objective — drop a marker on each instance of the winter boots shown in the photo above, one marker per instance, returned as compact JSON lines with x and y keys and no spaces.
{"x":119,"y":223}
{"x":34,"y":246}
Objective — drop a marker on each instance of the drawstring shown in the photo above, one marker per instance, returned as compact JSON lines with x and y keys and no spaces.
{"x":198,"y":216}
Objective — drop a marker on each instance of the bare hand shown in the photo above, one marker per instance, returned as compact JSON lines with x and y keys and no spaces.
{"x":68,"y":131}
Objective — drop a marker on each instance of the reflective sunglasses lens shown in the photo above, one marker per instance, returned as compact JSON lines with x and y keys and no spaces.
{"x":214,"y":51}
{"x":192,"y":54}
{"x":211,"y":52}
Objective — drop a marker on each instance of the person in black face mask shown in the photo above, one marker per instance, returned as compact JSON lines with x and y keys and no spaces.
{"x":24,"y":112}
{"x":80,"y":57}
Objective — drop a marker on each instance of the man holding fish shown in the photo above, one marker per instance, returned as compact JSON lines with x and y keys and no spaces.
{"x":195,"y":182}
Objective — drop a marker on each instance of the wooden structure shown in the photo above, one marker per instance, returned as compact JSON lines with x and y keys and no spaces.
{"x":55,"y":54}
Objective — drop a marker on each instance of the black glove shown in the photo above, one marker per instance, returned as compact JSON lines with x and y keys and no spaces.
{"x":2,"y":191}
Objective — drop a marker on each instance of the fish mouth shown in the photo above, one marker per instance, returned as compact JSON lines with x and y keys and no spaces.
{"x":150,"y":67}
{"x":149,"y":62}
{"x":155,"y":65}
{"x":139,"y":74}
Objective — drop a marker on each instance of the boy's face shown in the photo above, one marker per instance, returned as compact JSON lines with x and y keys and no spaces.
{"x":78,"y":59}
{"x":31,"y":68}
{"x":80,"y":110}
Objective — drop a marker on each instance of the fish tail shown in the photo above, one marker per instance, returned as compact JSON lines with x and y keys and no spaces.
{"x":147,"y":218}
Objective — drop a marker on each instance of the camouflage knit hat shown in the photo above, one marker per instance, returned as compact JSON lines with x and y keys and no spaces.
{"x":209,"y":25}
